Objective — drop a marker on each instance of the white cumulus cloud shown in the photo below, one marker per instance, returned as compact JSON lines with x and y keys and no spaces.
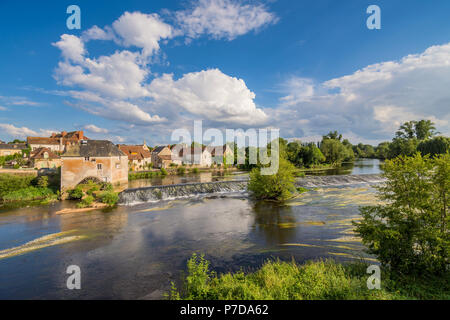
{"x":375,"y":100}
{"x":210,"y":94}
{"x":224,"y":19}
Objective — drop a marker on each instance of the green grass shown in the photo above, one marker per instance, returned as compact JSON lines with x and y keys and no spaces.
{"x":29,"y":194}
{"x":321,"y":280}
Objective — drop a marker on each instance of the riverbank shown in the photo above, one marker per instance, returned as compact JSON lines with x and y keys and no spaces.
{"x":314,"y":280}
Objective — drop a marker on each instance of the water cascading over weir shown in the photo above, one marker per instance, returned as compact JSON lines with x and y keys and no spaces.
{"x":176,"y":191}
{"x":157,"y":193}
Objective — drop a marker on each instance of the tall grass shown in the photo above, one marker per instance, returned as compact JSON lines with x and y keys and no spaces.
{"x":321,"y":280}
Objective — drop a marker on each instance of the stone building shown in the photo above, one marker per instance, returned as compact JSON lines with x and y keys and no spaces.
{"x":8,"y":149}
{"x":193,"y":156}
{"x":57,"y":142}
{"x":44,"y":158}
{"x":139,"y":157}
{"x":97,"y":160}
{"x":161,"y":157}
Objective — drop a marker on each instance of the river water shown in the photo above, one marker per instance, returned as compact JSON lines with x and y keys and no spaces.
{"x":136,"y":251}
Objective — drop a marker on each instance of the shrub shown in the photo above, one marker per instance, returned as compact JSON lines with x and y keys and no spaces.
{"x":9,"y":183}
{"x":409,"y":233}
{"x":274,"y":187}
{"x":42,"y":182}
{"x":91,"y":191}
{"x":76,"y":193}
{"x":86,"y":202}
{"x":195,"y":170}
{"x":28,"y":194}
{"x":181,"y":170}
{"x":107,"y":187}
{"x":163,"y":172}
{"x":318,"y":280}
{"x":110,"y":198}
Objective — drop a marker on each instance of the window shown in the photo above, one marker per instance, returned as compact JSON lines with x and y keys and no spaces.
{"x":99,"y":166}
{"x":86,"y":159}
{"x":117,"y":165}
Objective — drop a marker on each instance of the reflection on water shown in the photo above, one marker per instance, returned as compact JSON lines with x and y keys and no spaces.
{"x":135,"y":252}
{"x":359,"y":166}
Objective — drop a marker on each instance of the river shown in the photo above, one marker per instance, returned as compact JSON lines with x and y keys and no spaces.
{"x":136,"y":251}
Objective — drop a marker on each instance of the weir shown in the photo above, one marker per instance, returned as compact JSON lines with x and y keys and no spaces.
{"x":176,"y":191}
{"x":327,"y":181}
{"x":157,"y":193}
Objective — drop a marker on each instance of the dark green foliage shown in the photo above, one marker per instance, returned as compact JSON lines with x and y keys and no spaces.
{"x":409,"y":233}
{"x":76,"y":193}
{"x":86,"y":202}
{"x":435,"y":146}
{"x":9,"y":183}
{"x":42,"y":182}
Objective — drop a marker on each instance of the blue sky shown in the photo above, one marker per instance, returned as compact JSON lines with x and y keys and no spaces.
{"x":140,"y":69}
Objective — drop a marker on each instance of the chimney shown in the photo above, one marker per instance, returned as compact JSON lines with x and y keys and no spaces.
{"x":80,"y":135}
{"x":63,"y":134}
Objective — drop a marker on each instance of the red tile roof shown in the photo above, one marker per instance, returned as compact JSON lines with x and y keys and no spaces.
{"x":135,"y":152}
{"x":39,"y":154}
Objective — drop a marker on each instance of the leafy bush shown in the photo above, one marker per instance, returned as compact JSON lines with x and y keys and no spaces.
{"x":277,"y":280}
{"x":110,"y":198}
{"x":274,"y":187}
{"x":195,"y":170}
{"x":181,"y":170}
{"x":86,"y":202}
{"x":163,"y":172}
{"x":91,"y":191}
{"x":42,"y":182}
{"x":9,"y":183}
{"x":107,"y":187}
{"x":76,"y":193}
{"x":29,"y":194}
{"x":409,"y":233}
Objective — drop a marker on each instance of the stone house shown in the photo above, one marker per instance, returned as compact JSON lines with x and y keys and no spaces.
{"x":44,"y":158}
{"x":57,"y":142}
{"x":97,"y":160}
{"x":161,"y":157}
{"x":193,"y":156}
{"x":8,"y":149}
{"x":219,"y":153}
{"x":139,"y":157}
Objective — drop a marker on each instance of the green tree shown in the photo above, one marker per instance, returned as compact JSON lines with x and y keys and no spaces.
{"x":382,"y":150}
{"x":333,"y":135}
{"x":274,"y":187}
{"x":437,"y":145}
{"x":402,"y":147}
{"x":334,"y":151}
{"x":424,"y":129}
{"x":409,"y":232}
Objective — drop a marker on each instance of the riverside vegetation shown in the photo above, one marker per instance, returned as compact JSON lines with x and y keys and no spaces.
{"x":408,"y":233}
